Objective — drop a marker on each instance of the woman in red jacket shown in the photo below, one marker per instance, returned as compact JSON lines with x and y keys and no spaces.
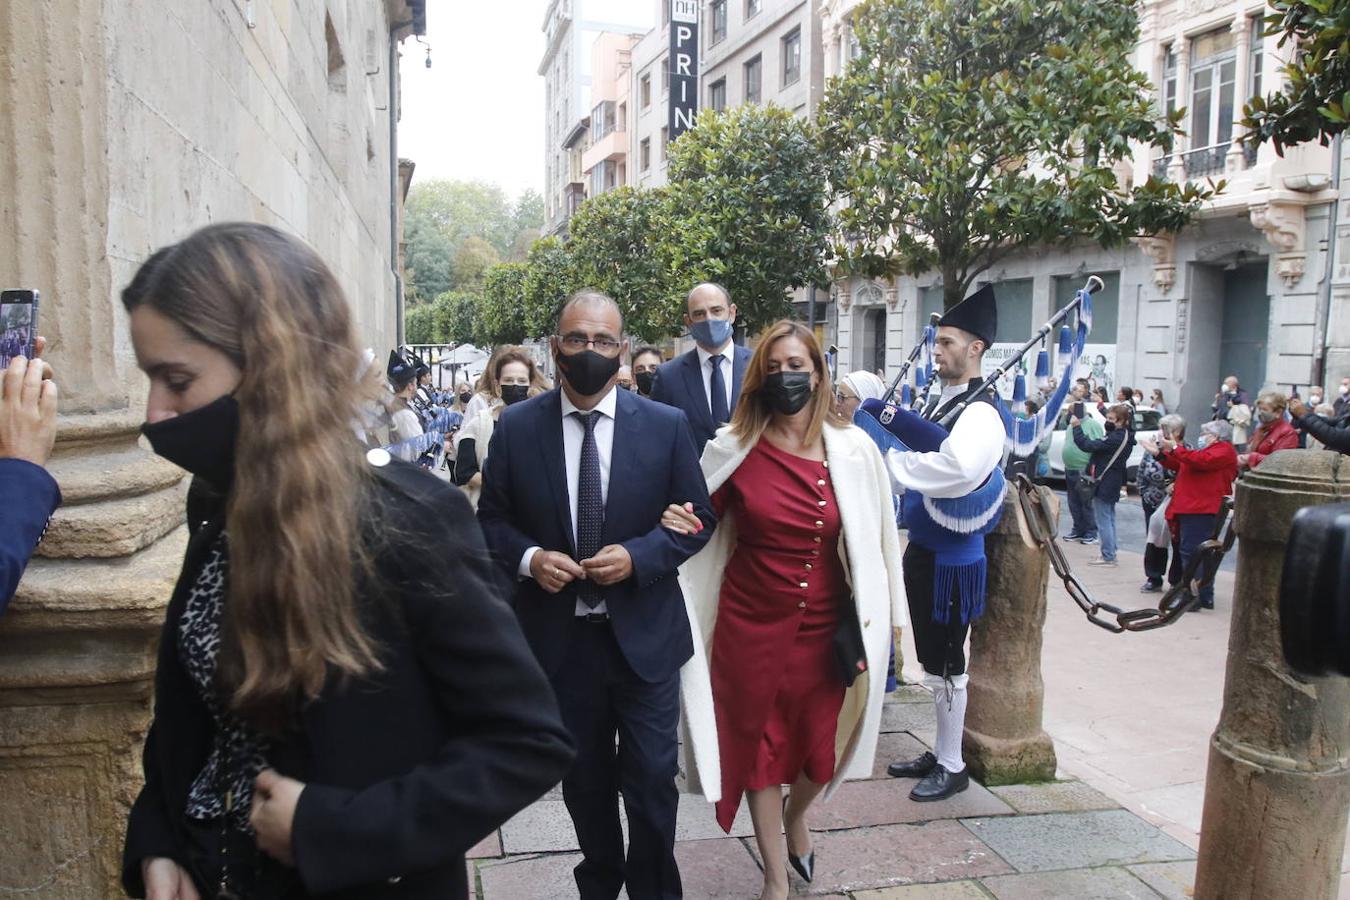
{"x":1274,"y":432}
{"x":1204,"y":477}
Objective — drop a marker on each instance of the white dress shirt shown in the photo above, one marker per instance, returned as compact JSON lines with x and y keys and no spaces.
{"x":574,"y":433}
{"x":727,"y":353}
{"x":966,"y":458}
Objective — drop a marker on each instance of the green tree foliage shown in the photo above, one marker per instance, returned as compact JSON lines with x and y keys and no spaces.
{"x":1315,"y":102}
{"x":455,"y":312}
{"x":419,"y":324}
{"x":500,"y":316}
{"x":528,"y":213}
{"x":969,"y":128}
{"x":428,"y":260}
{"x":748,"y":207}
{"x":473,"y":258}
{"x":619,"y":243}
{"x":548,"y":281}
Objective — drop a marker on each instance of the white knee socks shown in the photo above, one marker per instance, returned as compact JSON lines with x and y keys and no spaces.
{"x":949,"y":699}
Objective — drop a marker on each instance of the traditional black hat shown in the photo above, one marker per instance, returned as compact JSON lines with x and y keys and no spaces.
{"x":400,"y":371}
{"x":977,"y":314}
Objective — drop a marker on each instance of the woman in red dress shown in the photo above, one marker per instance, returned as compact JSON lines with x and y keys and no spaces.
{"x":800,"y":494}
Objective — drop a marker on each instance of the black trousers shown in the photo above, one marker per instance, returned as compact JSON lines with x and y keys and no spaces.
{"x":601,"y":698}
{"x":941,"y":648}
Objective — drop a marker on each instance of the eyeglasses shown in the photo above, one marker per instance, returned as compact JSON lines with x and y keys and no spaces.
{"x":575,"y":343}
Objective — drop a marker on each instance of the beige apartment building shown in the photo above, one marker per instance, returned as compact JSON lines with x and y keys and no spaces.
{"x":129,"y":124}
{"x":1245,"y":290}
{"x":604,"y":163}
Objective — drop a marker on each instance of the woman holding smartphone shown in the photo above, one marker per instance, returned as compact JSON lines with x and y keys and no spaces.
{"x":344,"y":704}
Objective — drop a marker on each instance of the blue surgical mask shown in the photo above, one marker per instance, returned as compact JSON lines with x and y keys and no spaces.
{"x":711,"y":334}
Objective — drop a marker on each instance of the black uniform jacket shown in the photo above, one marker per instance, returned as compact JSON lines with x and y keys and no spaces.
{"x":406,"y":769}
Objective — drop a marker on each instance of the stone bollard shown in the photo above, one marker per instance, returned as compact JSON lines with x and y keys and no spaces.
{"x":1004,"y":742}
{"x":1278,"y":788}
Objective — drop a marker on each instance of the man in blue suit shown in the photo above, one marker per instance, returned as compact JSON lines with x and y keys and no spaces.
{"x":706,"y":381}
{"x":28,"y":494}
{"x":574,"y":485}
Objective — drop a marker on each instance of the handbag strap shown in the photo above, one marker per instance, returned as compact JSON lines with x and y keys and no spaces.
{"x":1124,"y":439}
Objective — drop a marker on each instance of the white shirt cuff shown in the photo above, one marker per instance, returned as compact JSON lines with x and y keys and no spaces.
{"x":523,"y":570}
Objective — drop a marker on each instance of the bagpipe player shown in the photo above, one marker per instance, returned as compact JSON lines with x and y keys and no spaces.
{"x":945,"y":460}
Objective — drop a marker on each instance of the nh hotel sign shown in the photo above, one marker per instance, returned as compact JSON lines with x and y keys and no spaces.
{"x":683,"y":66}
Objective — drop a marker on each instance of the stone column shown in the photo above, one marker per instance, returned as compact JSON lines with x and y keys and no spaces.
{"x":1278,"y":787}
{"x":1176,"y":169}
{"x":1004,"y":742}
{"x":1242,"y":35}
{"x":77,"y":644}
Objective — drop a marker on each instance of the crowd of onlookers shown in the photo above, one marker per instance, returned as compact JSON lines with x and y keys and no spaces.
{"x":1181,"y":486}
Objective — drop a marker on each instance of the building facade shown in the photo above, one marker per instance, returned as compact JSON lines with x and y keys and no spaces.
{"x":571,"y":29}
{"x":1244,"y":290}
{"x":605,"y":161}
{"x":153,"y":119}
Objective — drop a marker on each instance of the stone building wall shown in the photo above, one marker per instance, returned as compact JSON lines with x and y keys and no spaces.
{"x":128,"y":124}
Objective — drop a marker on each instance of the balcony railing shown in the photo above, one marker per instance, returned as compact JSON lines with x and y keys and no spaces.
{"x":1203,"y":162}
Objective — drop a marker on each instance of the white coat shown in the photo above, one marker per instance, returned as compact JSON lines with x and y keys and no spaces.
{"x":870,"y":547}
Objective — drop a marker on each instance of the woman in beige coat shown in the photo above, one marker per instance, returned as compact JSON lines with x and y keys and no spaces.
{"x":792,"y":603}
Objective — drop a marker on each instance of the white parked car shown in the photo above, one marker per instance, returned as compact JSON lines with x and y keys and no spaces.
{"x":1145,"y":429}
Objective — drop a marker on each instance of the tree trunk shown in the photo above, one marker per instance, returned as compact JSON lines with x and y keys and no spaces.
{"x":953,"y":292}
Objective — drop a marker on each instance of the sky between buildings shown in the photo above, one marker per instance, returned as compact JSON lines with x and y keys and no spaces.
{"x":478,"y":112}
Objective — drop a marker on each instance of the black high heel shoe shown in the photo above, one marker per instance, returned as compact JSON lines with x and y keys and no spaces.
{"x":806,"y":866}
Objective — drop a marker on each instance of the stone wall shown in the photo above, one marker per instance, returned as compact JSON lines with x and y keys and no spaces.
{"x":128,"y":124}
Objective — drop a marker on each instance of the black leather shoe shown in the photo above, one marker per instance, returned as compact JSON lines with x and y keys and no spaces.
{"x":913,"y":768}
{"x":805,"y":867}
{"x":940,"y":784}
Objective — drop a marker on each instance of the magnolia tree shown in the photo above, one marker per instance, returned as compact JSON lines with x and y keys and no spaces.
{"x":967,"y":129}
{"x":1315,"y":102}
{"x":749,"y":208}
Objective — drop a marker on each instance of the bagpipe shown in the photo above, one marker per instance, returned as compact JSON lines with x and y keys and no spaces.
{"x":897,"y":426}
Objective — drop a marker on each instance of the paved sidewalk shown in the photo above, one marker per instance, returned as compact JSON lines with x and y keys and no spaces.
{"x":1029,"y":841}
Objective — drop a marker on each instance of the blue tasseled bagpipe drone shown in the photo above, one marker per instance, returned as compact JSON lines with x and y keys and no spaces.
{"x":954,"y":527}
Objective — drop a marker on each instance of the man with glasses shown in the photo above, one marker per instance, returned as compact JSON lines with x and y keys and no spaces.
{"x":706,"y":381}
{"x":573,"y":492}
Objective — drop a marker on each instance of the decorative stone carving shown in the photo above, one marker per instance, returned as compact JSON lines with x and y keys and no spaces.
{"x":845,"y":298}
{"x":892,"y":293}
{"x":1162,"y":250}
{"x":1284,"y":226}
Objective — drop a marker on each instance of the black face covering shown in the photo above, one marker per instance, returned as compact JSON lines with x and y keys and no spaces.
{"x":644,"y":382}
{"x":514,"y":393}
{"x":587,"y":372}
{"x":1110,"y":426}
{"x":465,"y":397}
{"x":201,"y":441}
{"x":788,"y":392}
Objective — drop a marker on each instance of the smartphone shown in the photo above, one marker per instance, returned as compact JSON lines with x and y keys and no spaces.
{"x":1078,"y":410}
{"x":18,"y":324}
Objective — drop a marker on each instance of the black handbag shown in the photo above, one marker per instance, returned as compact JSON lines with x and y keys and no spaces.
{"x":849,"y":653}
{"x":1086,"y":486}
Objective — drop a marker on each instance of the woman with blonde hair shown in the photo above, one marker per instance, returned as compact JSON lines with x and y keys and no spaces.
{"x":1273,"y":433}
{"x":515,"y":376}
{"x":344,"y":703}
{"x":793,"y":598}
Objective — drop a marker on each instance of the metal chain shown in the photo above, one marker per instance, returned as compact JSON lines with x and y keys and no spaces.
{"x":1182,"y":598}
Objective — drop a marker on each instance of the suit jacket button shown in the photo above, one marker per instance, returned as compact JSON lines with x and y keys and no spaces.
{"x":802,"y":605}
{"x":395,"y":879}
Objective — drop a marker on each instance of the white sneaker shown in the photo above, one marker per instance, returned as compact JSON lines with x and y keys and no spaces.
{"x":1111,"y":563}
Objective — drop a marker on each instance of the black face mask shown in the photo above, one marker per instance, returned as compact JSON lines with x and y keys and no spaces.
{"x":1110,"y":426}
{"x":465,"y":397}
{"x":788,"y":392}
{"x":644,"y":382}
{"x":587,"y":372}
{"x":201,"y":441}
{"x":514,"y":393}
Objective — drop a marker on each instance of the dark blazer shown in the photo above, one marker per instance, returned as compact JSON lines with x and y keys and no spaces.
{"x":406,"y":769}
{"x":30,"y":497}
{"x":679,"y":383}
{"x":1102,"y":449}
{"x":525,"y":503}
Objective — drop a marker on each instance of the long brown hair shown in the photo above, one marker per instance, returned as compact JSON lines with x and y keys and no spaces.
{"x":267,"y":300}
{"x":515,"y":354}
{"x":753,"y":412}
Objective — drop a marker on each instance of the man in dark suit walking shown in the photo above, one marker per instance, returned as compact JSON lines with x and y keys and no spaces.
{"x":573,"y":490}
{"x":706,"y":381}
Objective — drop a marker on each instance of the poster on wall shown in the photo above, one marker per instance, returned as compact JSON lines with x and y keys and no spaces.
{"x":1097,"y":365}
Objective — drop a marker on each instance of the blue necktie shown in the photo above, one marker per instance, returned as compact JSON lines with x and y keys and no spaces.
{"x":717,"y":386}
{"x":590,"y":506}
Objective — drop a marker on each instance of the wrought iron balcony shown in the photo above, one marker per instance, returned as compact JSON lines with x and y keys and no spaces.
{"x":1202,"y":162}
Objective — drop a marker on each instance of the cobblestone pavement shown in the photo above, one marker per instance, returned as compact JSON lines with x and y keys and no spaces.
{"x":1131,"y":716}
